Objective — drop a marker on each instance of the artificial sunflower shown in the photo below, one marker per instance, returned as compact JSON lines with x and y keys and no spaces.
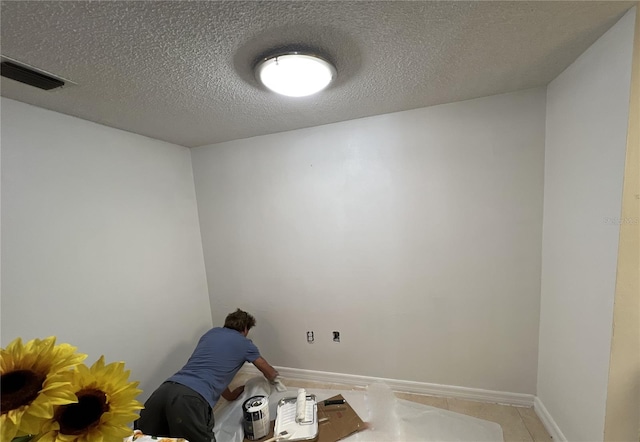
{"x":33,"y":379}
{"x":106,"y":406}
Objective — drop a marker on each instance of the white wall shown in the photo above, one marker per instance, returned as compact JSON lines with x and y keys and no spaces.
{"x":416,"y":234}
{"x":101,"y":245}
{"x":587,"y":109}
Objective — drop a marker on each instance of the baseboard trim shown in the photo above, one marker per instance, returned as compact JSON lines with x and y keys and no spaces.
{"x":452,"y":391}
{"x":548,"y":421}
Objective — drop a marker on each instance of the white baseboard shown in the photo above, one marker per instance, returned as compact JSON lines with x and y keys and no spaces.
{"x":452,"y":391}
{"x":547,"y":421}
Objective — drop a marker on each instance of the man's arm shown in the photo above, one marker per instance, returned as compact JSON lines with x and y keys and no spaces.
{"x":267,"y":370}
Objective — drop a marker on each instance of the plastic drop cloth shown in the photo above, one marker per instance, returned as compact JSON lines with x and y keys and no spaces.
{"x":390,"y":419}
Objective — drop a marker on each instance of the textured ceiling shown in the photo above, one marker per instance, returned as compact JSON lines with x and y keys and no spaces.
{"x":181,"y":71}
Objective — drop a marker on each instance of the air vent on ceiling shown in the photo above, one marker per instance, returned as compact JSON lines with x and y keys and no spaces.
{"x":29,"y":76}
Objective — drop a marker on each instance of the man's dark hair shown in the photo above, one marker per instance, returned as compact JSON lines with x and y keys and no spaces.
{"x":239,"y":321}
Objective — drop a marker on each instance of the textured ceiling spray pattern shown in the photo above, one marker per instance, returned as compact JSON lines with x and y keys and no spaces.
{"x":182,"y":71}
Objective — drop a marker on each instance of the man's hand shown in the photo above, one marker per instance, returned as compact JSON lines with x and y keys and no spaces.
{"x":232,"y":395}
{"x":267,"y":370}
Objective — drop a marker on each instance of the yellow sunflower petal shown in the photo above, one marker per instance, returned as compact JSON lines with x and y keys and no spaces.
{"x":46,"y":437}
{"x":66,"y":438}
{"x":61,"y":396}
{"x":116,"y":433}
{"x":127,"y":391}
{"x":31,"y":423}
{"x":97,"y":437}
{"x":15,"y":346}
{"x":8,"y":427}
{"x":98,"y":365}
{"x":112,"y":432}
{"x":41,"y":410}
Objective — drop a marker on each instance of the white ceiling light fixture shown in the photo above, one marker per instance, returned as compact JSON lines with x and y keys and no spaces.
{"x":295,"y":74}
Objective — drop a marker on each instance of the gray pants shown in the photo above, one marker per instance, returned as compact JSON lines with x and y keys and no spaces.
{"x":174,"y":410}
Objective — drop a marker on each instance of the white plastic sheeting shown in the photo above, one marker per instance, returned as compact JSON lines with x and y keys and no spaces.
{"x":390,"y":419}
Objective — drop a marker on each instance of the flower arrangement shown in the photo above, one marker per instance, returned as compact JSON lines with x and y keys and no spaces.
{"x":49,"y":395}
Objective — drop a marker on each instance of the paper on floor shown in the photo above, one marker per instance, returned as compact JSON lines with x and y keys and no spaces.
{"x":391,"y":419}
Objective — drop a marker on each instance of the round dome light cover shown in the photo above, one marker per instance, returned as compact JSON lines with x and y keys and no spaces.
{"x":295,"y":74}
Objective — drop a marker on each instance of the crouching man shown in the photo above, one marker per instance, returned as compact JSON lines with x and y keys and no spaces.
{"x":183,"y":405}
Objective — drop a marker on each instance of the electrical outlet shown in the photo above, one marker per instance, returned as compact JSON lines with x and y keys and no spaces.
{"x":336,"y":336}
{"x":310,"y":337}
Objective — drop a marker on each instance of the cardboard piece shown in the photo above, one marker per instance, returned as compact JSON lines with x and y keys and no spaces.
{"x":342,"y":421}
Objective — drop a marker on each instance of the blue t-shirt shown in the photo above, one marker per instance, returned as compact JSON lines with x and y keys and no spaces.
{"x":219,"y":355}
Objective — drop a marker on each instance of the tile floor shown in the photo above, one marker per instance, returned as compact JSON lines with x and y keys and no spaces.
{"x":518,"y":423}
